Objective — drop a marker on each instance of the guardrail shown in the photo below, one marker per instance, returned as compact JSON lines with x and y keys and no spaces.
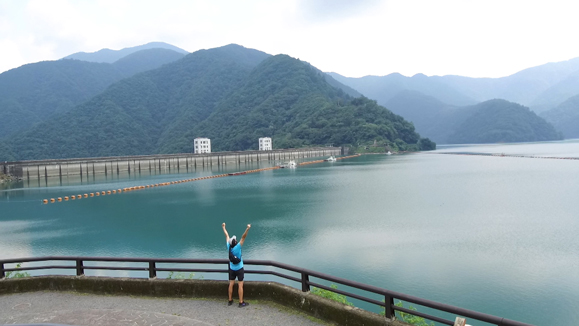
{"x":304,"y":279}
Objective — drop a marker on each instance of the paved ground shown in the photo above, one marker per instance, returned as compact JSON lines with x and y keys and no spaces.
{"x":88,"y":309}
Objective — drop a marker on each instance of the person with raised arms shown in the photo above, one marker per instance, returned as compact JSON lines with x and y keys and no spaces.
{"x":235,"y":264}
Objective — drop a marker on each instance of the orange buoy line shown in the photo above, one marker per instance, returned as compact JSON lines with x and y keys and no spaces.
{"x":127,"y":189}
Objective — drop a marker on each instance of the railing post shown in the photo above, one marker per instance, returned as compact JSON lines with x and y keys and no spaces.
{"x":79,"y":268}
{"x":388,"y":305}
{"x":305,"y":282}
{"x":152,"y":270}
{"x":2,"y":273}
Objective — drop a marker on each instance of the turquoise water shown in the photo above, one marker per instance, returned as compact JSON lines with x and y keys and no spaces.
{"x":492,"y":234}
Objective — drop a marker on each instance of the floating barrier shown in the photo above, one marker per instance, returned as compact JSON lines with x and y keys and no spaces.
{"x":127,"y":189}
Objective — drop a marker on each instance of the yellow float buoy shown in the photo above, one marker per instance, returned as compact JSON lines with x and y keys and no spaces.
{"x":45,"y":201}
{"x":65,"y":198}
{"x":97,"y":193}
{"x":59,"y":198}
{"x":52,"y":200}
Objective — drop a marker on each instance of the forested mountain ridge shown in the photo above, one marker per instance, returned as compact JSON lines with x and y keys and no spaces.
{"x":291,"y":101}
{"x":491,"y":121}
{"x":498,"y":121}
{"x":110,"y":56}
{"x":141,"y":114}
{"x":146,"y":60}
{"x":565,"y":117}
{"x":231,"y":94}
{"x":34,"y":92}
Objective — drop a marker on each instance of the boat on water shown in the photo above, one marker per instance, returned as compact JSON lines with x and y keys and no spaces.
{"x":289,"y":165}
{"x":389,"y":153}
{"x":330,"y":159}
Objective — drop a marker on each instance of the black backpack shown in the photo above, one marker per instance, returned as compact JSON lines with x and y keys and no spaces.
{"x":232,"y":258}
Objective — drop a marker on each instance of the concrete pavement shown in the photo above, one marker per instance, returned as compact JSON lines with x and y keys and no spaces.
{"x":72,"y":308}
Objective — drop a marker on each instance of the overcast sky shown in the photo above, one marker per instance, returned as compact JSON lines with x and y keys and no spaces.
{"x":477,"y":38}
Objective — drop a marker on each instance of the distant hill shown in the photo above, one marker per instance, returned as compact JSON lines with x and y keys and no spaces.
{"x":498,"y":121}
{"x":110,"y":56}
{"x":34,"y":92}
{"x":431,"y":117}
{"x":565,"y":117}
{"x":445,"y":124}
{"x":146,"y":60}
{"x":231,"y":94}
{"x":541,"y":88}
{"x":384,"y":88}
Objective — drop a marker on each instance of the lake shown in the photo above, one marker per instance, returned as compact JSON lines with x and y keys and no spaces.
{"x":493,"y":234}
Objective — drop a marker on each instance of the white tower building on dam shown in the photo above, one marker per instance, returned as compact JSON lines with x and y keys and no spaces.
{"x":202,"y":145}
{"x":265,"y":144}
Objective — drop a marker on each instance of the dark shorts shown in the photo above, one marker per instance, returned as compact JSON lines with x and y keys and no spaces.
{"x":238,"y":273}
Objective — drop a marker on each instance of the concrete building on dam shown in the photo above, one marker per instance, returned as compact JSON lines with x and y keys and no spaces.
{"x":201,"y":145}
{"x":265,"y":144}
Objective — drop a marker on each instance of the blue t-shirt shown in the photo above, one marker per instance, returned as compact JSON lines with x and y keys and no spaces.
{"x":236,"y":252}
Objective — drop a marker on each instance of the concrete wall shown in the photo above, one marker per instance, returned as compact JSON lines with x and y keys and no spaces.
{"x":311,"y":304}
{"x":170,"y":163}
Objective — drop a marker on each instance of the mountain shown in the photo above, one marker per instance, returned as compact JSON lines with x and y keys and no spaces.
{"x":231,"y":94}
{"x":141,"y":114}
{"x":565,"y":117}
{"x":540,"y":87}
{"x":146,"y":60}
{"x":446,"y":124}
{"x":431,"y":117}
{"x":498,"y":121}
{"x":383,"y":88}
{"x":557,"y":94}
{"x":34,"y":92}
{"x":291,"y":101}
{"x":110,"y":56}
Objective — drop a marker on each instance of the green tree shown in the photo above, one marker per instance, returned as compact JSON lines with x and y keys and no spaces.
{"x":409,"y":318}
{"x":16,"y":274}
{"x":331,"y":295}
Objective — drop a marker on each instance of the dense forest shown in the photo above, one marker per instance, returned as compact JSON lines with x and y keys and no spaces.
{"x":36,"y":92}
{"x":231,"y":94}
{"x":498,"y":121}
{"x":448,"y":124}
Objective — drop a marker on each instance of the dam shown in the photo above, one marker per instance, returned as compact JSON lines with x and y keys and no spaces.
{"x":161,"y":163}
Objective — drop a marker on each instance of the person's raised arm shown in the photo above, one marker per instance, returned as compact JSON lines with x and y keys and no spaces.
{"x":225,"y":231}
{"x":244,"y":235}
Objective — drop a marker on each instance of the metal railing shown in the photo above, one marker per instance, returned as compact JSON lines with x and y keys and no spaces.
{"x":304,"y":279}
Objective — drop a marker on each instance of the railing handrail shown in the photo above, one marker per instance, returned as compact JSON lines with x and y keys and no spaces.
{"x":305,"y":275}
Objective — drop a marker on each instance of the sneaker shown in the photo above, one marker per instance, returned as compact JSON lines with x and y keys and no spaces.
{"x":229,"y":303}
{"x":243,"y":304}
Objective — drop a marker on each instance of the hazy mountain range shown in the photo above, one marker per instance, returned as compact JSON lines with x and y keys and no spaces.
{"x":156,"y":98}
{"x":543,"y":88}
{"x":110,"y":56}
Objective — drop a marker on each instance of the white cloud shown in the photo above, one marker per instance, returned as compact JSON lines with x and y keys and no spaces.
{"x":474,"y":38}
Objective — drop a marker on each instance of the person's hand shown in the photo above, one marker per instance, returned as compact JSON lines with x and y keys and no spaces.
{"x":223,"y":225}
{"x":248,"y":226}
